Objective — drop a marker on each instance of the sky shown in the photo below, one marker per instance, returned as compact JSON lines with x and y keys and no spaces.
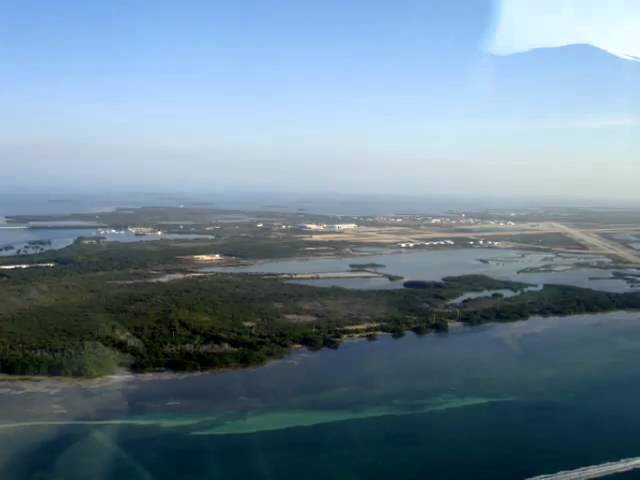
{"x":517,"y":97}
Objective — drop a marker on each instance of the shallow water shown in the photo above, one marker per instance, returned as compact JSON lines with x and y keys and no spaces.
{"x":63,"y":237}
{"x":488,"y":293}
{"x":502,"y":401}
{"x":62,"y":204}
{"x":435,"y":264}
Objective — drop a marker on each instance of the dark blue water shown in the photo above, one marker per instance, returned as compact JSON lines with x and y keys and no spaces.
{"x":506,"y":401}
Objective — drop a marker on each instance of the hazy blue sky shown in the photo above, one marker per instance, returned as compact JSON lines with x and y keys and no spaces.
{"x":364,"y":96}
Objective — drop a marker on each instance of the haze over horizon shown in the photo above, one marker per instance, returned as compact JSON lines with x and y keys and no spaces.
{"x":413,"y":97}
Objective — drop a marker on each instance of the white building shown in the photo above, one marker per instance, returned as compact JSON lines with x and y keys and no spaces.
{"x":310,"y":227}
{"x":339,"y":227}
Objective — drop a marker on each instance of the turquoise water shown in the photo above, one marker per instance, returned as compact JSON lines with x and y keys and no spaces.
{"x":503,"y":401}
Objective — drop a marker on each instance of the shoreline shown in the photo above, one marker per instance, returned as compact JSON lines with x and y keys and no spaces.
{"x":53,"y":383}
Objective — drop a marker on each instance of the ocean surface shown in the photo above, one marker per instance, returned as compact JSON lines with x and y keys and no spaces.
{"x":500,"y":401}
{"x":59,"y":203}
{"x":331,"y":203}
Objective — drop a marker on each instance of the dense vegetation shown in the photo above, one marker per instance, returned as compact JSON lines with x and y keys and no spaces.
{"x":97,"y":311}
{"x":115,"y":256}
{"x":50,"y":317}
{"x":551,"y":300}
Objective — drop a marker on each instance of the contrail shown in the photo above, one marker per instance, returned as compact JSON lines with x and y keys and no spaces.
{"x":594,"y":471}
